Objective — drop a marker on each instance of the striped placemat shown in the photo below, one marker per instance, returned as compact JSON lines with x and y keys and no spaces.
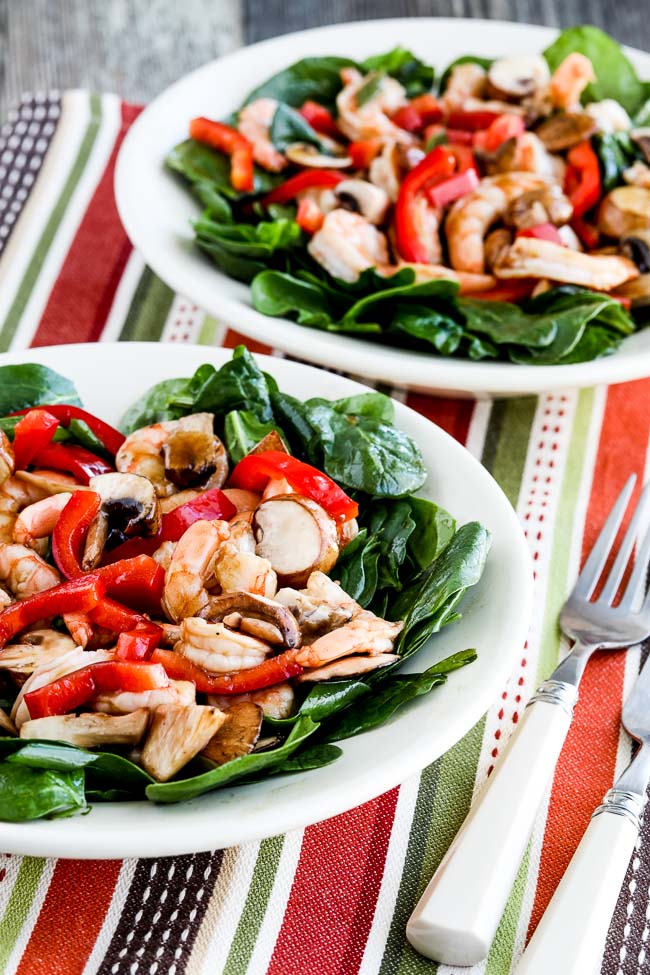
{"x":332,"y":899}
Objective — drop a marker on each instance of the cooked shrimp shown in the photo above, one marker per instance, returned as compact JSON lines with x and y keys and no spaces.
{"x":243,"y":571}
{"x":24,"y":572}
{"x":181,"y":692}
{"x":569,"y":80}
{"x":370,"y":120}
{"x":426,"y":222}
{"x":37,"y":520}
{"x":6,"y":457}
{"x":191,"y":568}
{"x":15,"y":494}
{"x":469,"y":283}
{"x":321,"y":607}
{"x":79,"y":627}
{"x":347,"y":244}
{"x":217,"y":649}
{"x":347,"y":667}
{"x":465,"y":81}
{"x":254,"y":123}
{"x":36,"y":648}
{"x":527,"y":154}
{"x":385,"y":171}
{"x":470,"y":217}
{"x":275,"y":702}
{"x":365,"y":634}
{"x":531,"y":258}
{"x":6,"y":599}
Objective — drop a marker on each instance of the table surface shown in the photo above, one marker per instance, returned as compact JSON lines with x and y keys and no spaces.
{"x":137,"y":47}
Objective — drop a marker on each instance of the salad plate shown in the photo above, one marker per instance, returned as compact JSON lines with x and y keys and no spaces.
{"x":495,"y":617}
{"x":157,"y":211}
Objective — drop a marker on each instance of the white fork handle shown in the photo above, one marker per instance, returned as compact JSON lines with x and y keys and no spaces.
{"x":570,"y":938}
{"x":457,"y":916}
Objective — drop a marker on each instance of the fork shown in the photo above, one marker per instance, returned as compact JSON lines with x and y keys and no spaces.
{"x":457,"y":916}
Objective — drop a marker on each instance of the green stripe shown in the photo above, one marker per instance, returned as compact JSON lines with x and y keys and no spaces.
{"x":208,"y":333}
{"x":148,"y":311}
{"x":506,"y":443}
{"x":250,"y":922}
{"x":20,"y":902}
{"x":40,"y":253}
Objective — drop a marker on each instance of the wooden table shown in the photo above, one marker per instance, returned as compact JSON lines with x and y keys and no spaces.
{"x":137,"y":47}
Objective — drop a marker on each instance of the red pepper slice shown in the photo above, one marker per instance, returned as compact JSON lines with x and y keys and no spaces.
{"x":514,"y":291}
{"x":75,"y":689}
{"x":272,"y":671}
{"x":428,"y":107}
{"x":139,"y":582}
{"x":439,"y":164}
{"x":587,"y":233}
{"x":32,"y":434}
{"x":76,"y":596}
{"x":465,"y":159}
{"x":309,"y":216}
{"x":582,"y":180}
{"x":254,"y":471}
{"x":320,"y":118}
{"x":363,"y":152}
{"x":504,"y":127}
{"x":453,"y":188}
{"x":76,"y":460}
{"x":64,"y":412}
{"x":211,"y":506}
{"x":307,"y":180}
{"x":543,"y":231}
{"x":140,"y":643}
{"x":460,"y":137}
{"x":226,"y":139}
{"x":69,"y":535}
{"x":408,"y":118}
{"x":111,"y":615}
{"x":472,"y":121}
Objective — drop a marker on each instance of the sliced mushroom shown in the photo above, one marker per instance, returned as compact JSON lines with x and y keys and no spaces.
{"x":624,"y":211}
{"x":272,"y":441}
{"x":6,"y":724}
{"x":36,"y":649}
{"x":52,"y":482}
{"x":237,"y":735}
{"x":304,"y":154}
{"x":363,"y":197}
{"x":638,"y":174}
{"x":497,"y":243}
{"x":87,"y":730}
{"x":176,"y":735}
{"x":512,"y":79}
{"x":297,"y":536}
{"x":174,"y":501}
{"x":637,"y":248}
{"x":253,"y":607}
{"x":193,"y":455}
{"x":565,"y":129}
{"x":244,"y":501}
{"x":129,"y":506}
{"x":347,"y":667}
{"x":321,"y":607}
{"x":254,"y":627}
{"x":545,"y":205}
{"x":638,"y":291}
{"x":642,"y":138}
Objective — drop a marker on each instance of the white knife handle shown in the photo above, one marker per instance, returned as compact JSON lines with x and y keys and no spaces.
{"x":457,"y":916}
{"x":570,"y":938}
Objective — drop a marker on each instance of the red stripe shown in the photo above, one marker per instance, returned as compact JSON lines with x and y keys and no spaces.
{"x":334,"y":892}
{"x":587,"y":764}
{"x":232,"y":339}
{"x":453,"y":415}
{"x":83,"y":293}
{"x":71,"y":917}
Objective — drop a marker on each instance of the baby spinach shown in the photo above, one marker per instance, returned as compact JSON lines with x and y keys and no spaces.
{"x":289,"y":126}
{"x":204,"y":167}
{"x":243,"y":250}
{"x":238,"y":385}
{"x":616,"y":152}
{"x":243,"y":431}
{"x":154,"y":406}
{"x":311,"y":757}
{"x":29,"y":384}
{"x":33,"y":793}
{"x":431,"y":325}
{"x":59,"y":757}
{"x":416,"y":76}
{"x":434,"y":529}
{"x":277,"y":293}
{"x":315,"y":79}
{"x":357,"y":568}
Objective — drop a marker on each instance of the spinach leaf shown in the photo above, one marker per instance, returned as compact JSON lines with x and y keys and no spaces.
{"x":465,"y":59}
{"x":238,"y":768}
{"x":317,"y":79}
{"x":504,"y":323}
{"x":369,"y":89}
{"x":32,"y":793}
{"x":323,"y":701}
{"x":434,"y":529}
{"x":314,"y":756}
{"x":208,"y":171}
{"x":276,"y":293}
{"x":616,"y":152}
{"x":415,"y":75}
{"x":59,"y":757}
{"x":594,"y":342}
{"x":30,"y":384}
{"x":430,"y":325}
{"x":381,"y":303}
{"x":243,"y":431}
{"x":357,"y":568}
{"x":156,"y":405}
{"x":615,"y":76}
{"x":376,"y":405}
{"x":238,"y":385}
{"x":642,"y":117}
{"x":243,"y":250}
{"x":292,"y":417}
{"x":289,"y":126}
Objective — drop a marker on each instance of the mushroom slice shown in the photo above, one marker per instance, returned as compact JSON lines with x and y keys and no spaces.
{"x":512,"y":79}
{"x":642,"y":139}
{"x":637,"y":248}
{"x":321,"y":607}
{"x":237,"y":735}
{"x":297,"y":536}
{"x":36,"y":649}
{"x":624,"y":211}
{"x":347,"y":667}
{"x":52,"y":482}
{"x":193,"y":455}
{"x":176,"y":735}
{"x":129,"y":506}
{"x":87,"y":730}
{"x":497,"y":243}
{"x":547,"y":204}
{"x":360,"y":196}
{"x":174,"y":501}
{"x":6,"y":724}
{"x":638,"y":291}
{"x":303,"y":154}
{"x":244,"y":501}
{"x":272,"y":441}
{"x":530,"y":258}
{"x":566,"y":129}
{"x":246,"y":605}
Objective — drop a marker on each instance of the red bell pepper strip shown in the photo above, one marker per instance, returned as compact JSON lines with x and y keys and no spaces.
{"x":255,"y":470}
{"x":223,"y":138}
{"x":408,"y":118}
{"x":453,"y":188}
{"x":309,"y":216}
{"x":211,"y":506}
{"x":587,"y":233}
{"x":76,"y":596}
{"x":460,"y":137}
{"x":64,"y":412}
{"x":140,"y":643}
{"x":307,"y":180}
{"x":504,"y":127}
{"x":76,"y":460}
{"x":437,"y":165}
{"x":32,"y":434}
{"x":272,"y":671}
{"x":139,"y":581}
{"x":513,"y":291}
{"x":465,"y":159}
{"x":69,"y":535}
{"x":363,"y":152}
{"x":542,"y":231}
{"x":320,"y":118}
{"x":428,"y":107}
{"x":582,"y":183}
{"x":472,"y":121}
{"x":79,"y":687}
{"x":113,"y":616}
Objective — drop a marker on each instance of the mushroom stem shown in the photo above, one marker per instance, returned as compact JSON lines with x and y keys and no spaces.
{"x":245,"y":604}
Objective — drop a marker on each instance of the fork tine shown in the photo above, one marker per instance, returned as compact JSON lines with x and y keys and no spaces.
{"x":636,"y":585}
{"x":614,"y":579}
{"x":595,"y":564}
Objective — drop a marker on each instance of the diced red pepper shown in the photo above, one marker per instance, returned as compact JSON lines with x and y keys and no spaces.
{"x":460,"y":137}
{"x":211,"y":506}
{"x":437,"y":165}
{"x":254,"y":471}
{"x":587,"y":233}
{"x":111,"y":438}
{"x":71,"y":529}
{"x":140,"y":643}
{"x":137,"y":582}
{"x":226,"y":139}
{"x":515,"y":290}
{"x":472,"y":121}
{"x":272,"y":671}
{"x":307,"y":180}
{"x":32,"y":434}
{"x":428,"y":107}
{"x":76,"y":596}
{"x":113,"y":616}
{"x":79,"y":687}
{"x":309,"y":216}
{"x":408,"y":118}
{"x":76,"y":460}
{"x":504,"y":127}
{"x":543,"y":231}
{"x":363,"y":152}
{"x":582,"y":182}
{"x":320,"y":118}
{"x":453,"y":188}
{"x":465,"y":159}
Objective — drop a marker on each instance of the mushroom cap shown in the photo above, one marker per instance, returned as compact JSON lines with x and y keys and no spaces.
{"x":259,"y":607}
{"x":193,"y":454}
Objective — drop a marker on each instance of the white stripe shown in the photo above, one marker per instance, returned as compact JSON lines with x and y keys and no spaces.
{"x":32,"y":916}
{"x":112,"y":917}
{"x":183,"y":323}
{"x":123,"y":297}
{"x":477,"y":431}
{"x":109,"y":127}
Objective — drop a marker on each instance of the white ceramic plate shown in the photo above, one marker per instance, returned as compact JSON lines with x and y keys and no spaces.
{"x":496,"y":615}
{"x":156,"y":208}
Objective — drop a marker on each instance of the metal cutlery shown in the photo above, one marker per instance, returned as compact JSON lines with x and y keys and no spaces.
{"x":457,"y":916}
